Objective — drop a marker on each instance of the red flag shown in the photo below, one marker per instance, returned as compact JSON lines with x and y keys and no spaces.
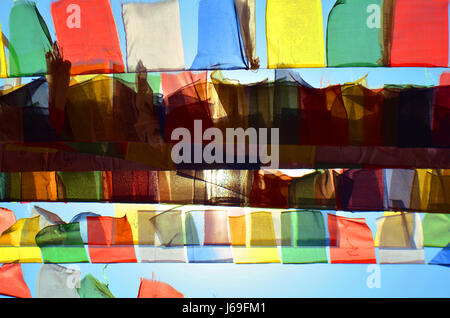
{"x":110,"y":240}
{"x":7,"y":219}
{"x":12,"y":282}
{"x":155,"y":289}
{"x":87,"y":34}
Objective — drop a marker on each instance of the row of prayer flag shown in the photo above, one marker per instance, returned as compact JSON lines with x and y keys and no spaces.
{"x":111,"y":109}
{"x":359,"y":33}
{"x":231,"y":235}
{"x":423,"y":190}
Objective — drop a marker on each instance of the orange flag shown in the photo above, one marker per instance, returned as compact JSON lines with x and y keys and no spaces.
{"x":155,"y":289}
{"x":12,"y":282}
{"x":7,"y":219}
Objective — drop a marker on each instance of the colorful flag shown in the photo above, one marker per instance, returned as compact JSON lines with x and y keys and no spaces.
{"x":436,"y":229}
{"x":87,"y":34}
{"x":110,"y":240}
{"x":7,"y":219}
{"x":28,"y":42}
{"x":400,"y":239}
{"x":90,"y":287}
{"x":303,"y":238}
{"x":62,"y":244}
{"x":156,"y":289}
{"x":57,"y":281}
{"x":420,"y":35}
{"x":80,"y":186}
{"x":295,"y":34}
{"x":351,"y":240}
{"x":220,"y":45}
{"x":18,"y":244}
{"x":353,"y":33}
{"x":12,"y":282}
{"x":157,"y":42}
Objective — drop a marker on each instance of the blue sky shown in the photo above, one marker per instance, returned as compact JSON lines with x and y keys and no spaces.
{"x":268,"y":280}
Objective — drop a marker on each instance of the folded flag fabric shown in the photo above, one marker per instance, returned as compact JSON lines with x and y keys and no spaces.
{"x":351,"y":240}
{"x":56,"y":280}
{"x":246,"y":10}
{"x":354,"y":31}
{"x":295,"y":34}
{"x":161,"y":237}
{"x":220,"y":44}
{"x":156,"y":289}
{"x":303,"y":238}
{"x":400,"y":239}
{"x":91,"y":287}
{"x":12,"y":281}
{"x":7,"y":219}
{"x":87,"y":34}
{"x":436,"y":230}
{"x":28,"y":42}
{"x":62,"y":244}
{"x":46,"y":218}
{"x":420,"y":34}
{"x":155,"y":42}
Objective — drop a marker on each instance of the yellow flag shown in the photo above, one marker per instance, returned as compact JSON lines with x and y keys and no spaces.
{"x":17,"y":244}
{"x":295,"y":36}
{"x":3,"y":66}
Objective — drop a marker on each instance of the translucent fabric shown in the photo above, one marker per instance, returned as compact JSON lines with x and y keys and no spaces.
{"x":157,"y":42}
{"x":295,"y":34}
{"x":400,"y":239}
{"x":58,"y":280}
{"x":13,"y":283}
{"x":110,"y":240}
{"x":28,"y":42}
{"x":303,"y":238}
{"x":87,"y":33}
{"x":156,"y":289}
{"x":353,"y":33}
{"x":220,"y":45}
{"x":436,"y":229}
{"x":420,"y":34}
{"x":90,"y":287}
{"x":351,"y":240}
{"x":7,"y":219}
{"x":3,"y":65}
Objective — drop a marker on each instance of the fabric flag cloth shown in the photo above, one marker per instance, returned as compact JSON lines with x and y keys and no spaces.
{"x":303,"y":238}
{"x":436,"y":229}
{"x":79,"y":186}
{"x":400,"y":239}
{"x":91,"y":287}
{"x":3,"y":64}
{"x":7,"y":219}
{"x":353,"y":32}
{"x":156,"y":42}
{"x":57,"y":281}
{"x":207,"y":238}
{"x":351,"y":240}
{"x":39,"y":186}
{"x":161,"y":237}
{"x":246,"y":10}
{"x":12,"y":281}
{"x":46,"y":218}
{"x":87,"y":33}
{"x":156,"y":289}
{"x":441,"y":116}
{"x":62,"y":244}
{"x":253,"y":238}
{"x":110,"y":240}
{"x":443,"y":257}
{"x":28,"y":42}
{"x":399,"y":186}
{"x":420,"y":35}
{"x":18,"y":244}
{"x":295,"y":34}
{"x":220,"y":44}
